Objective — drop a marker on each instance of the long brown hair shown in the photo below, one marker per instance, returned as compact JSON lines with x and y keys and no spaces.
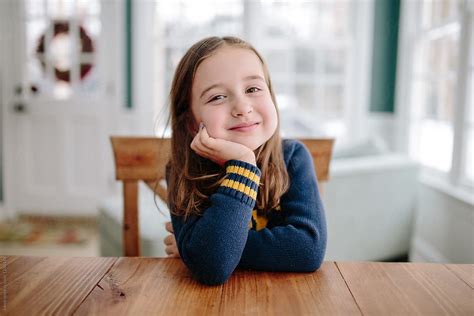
{"x":191,"y":178}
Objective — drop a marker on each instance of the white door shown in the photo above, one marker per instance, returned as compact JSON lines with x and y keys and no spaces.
{"x":55,"y":112}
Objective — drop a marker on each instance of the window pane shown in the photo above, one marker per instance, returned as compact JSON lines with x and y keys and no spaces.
{"x":435,"y":12}
{"x":307,"y":45}
{"x":433,"y":92}
{"x":434,"y":99}
{"x":332,"y":61}
{"x":433,"y":128}
{"x":332,"y":100}
{"x":60,"y":9}
{"x":435,"y":144}
{"x":439,"y":56}
{"x":305,"y":94}
{"x":333,"y":19}
{"x":279,"y":61}
{"x":192,"y":20}
{"x":60,"y":62}
{"x":304,"y":60}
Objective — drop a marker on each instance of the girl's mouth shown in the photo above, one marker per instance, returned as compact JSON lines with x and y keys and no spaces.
{"x":245,"y":127}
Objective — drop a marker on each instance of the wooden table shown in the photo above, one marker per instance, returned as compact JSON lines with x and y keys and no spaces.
{"x":141,"y":286}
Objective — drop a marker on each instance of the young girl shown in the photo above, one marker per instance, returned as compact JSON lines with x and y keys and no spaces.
{"x":238,"y":194}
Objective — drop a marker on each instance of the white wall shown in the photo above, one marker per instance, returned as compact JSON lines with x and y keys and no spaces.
{"x":5,"y":38}
{"x":444,"y":229}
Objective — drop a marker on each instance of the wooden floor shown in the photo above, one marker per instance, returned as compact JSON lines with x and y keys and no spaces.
{"x":90,"y":249}
{"x":87,"y":249}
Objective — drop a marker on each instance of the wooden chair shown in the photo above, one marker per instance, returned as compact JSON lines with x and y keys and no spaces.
{"x":145,"y":158}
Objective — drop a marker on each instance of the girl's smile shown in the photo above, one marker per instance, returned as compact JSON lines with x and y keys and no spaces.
{"x":245,"y":127}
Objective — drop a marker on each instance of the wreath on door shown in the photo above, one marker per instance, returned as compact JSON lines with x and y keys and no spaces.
{"x":86,"y":46}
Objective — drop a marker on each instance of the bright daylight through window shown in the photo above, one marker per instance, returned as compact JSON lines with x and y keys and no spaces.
{"x":441,"y":138}
{"x":312,"y":48}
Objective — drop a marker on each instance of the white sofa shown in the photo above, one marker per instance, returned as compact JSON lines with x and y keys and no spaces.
{"x":369,"y":202}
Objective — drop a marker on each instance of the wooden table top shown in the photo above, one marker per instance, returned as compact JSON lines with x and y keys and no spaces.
{"x":141,"y":286}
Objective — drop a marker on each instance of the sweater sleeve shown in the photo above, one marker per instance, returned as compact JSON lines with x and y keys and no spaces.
{"x":211,"y":245}
{"x":300,"y":244}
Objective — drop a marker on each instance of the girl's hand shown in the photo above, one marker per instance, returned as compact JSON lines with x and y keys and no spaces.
{"x":170,"y":242}
{"x":220,"y":150}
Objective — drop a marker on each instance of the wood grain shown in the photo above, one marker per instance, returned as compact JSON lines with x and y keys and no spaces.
{"x":261,"y":293}
{"x":50,"y":285}
{"x":330,"y":291}
{"x":464,"y":271}
{"x":140,"y":158}
{"x":143,"y":286}
{"x":407,"y":289}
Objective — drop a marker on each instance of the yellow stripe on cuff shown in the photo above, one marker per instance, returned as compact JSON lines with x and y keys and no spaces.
{"x":238,"y":186}
{"x":244,"y":172}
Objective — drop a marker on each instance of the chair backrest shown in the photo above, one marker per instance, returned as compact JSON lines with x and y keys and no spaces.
{"x":145,"y":158}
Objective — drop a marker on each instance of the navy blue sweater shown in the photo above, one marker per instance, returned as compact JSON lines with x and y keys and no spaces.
{"x":231,"y":233}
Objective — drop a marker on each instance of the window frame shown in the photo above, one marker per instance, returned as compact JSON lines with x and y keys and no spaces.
{"x":407,"y":121}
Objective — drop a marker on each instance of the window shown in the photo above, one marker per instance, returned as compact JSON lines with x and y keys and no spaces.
{"x":60,"y":47}
{"x":439,"y":48}
{"x":316,"y":52}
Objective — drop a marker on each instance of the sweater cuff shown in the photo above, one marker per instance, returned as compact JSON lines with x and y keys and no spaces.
{"x":241,"y":181}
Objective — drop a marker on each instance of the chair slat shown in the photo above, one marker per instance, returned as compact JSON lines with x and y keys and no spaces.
{"x":321,"y":151}
{"x":140,"y":158}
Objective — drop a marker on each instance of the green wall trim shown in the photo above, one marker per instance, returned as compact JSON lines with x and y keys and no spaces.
{"x":384,"y":60}
{"x":129,"y":55}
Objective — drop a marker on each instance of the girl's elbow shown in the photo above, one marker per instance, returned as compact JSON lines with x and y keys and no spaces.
{"x":314,"y":256}
{"x":212,"y":279}
{"x":313,"y":264}
{"x":211,"y":272}
{"x":209,"y":269}
{"x":214,"y":275}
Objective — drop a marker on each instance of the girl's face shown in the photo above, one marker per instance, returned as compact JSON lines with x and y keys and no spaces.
{"x":231,"y":98}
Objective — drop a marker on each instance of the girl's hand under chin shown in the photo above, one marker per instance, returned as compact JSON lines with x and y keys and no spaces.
{"x":220,"y":150}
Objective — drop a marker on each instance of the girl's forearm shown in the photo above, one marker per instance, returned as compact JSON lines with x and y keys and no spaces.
{"x":211,"y":245}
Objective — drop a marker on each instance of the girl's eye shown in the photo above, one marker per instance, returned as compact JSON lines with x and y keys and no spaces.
{"x":253,"y":90}
{"x":217,"y":97}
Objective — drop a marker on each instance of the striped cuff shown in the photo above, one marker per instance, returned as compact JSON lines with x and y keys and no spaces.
{"x":241,"y":181}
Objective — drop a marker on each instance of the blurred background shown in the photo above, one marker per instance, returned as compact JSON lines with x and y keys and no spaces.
{"x":390,"y":80}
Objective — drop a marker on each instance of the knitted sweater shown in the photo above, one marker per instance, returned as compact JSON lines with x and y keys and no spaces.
{"x":231,"y":233}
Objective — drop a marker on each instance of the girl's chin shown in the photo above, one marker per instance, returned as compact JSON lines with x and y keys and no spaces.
{"x":253,"y":145}
{"x":250,"y":142}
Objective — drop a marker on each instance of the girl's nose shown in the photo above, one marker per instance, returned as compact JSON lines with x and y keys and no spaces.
{"x":241,"y":108}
